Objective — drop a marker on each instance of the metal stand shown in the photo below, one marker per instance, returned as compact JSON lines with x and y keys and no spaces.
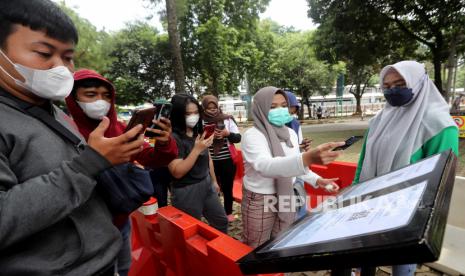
{"x":368,"y":271}
{"x":341,"y":272}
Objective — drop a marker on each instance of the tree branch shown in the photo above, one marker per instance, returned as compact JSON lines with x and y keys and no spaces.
{"x":366,"y":83}
{"x":409,"y":32}
{"x":425,"y":19}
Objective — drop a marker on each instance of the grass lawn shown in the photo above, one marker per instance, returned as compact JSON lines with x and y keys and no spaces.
{"x":352,"y":153}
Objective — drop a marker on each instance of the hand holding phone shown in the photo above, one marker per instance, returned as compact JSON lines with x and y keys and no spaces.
{"x":162,"y":132}
{"x":306,"y":144}
{"x":349,"y":142}
{"x":322,"y":154}
{"x":220,"y":125}
{"x":220,"y":130}
{"x":162,"y":111}
{"x":116,"y":150}
{"x":209,"y":130}
{"x":202,"y":143}
{"x":143,"y":117}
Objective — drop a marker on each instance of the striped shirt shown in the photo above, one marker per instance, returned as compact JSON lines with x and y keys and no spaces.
{"x":224,"y":151}
{"x":222,"y":154}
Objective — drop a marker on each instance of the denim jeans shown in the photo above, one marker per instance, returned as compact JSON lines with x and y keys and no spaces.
{"x":404,"y":270}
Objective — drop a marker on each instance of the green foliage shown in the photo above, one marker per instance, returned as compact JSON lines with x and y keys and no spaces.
{"x":142,"y":64}
{"x":223,"y":42}
{"x":91,"y":51}
{"x":216,"y":55}
{"x":437,"y":25}
{"x":365,"y":40}
{"x":216,"y":41}
{"x":260,"y":67}
{"x":460,"y":83}
{"x":286,"y":58}
{"x":299,"y":69}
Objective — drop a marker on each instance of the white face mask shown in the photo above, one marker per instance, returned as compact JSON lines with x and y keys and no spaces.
{"x":95,"y":110}
{"x":53,"y":84}
{"x":192,"y":120}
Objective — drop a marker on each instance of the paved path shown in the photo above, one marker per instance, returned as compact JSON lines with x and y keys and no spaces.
{"x":336,"y":126}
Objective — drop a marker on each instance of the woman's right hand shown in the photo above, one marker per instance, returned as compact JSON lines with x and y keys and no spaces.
{"x":322,"y":154}
{"x":201,"y":143}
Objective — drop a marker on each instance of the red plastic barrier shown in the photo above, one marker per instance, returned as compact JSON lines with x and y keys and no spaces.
{"x":237,"y":185}
{"x":171,"y":242}
{"x":174,"y":243}
{"x":148,"y":256}
{"x":345,"y":171}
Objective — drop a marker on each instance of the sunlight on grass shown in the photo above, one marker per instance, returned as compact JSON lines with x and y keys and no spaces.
{"x":352,"y":153}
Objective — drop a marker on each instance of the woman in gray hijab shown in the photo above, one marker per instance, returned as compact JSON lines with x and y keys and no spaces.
{"x":414,"y":124}
{"x":271,"y":160}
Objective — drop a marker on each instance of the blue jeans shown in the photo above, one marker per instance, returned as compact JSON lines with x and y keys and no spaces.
{"x":161,"y":179}
{"x":301,"y":187}
{"x":404,"y":270}
{"x":124,"y":255}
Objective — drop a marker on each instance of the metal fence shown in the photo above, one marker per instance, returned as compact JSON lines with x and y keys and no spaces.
{"x":331,"y":111}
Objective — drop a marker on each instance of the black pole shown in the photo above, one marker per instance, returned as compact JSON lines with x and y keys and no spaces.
{"x":341,"y":272}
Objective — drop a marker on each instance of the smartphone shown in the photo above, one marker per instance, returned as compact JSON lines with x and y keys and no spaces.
{"x":163,"y":111}
{"x":143,"y":117}
{"x":209,"y":130}
{"x":349,"y":142}
{"x":220,"y":125}
{"x":305,"y":143}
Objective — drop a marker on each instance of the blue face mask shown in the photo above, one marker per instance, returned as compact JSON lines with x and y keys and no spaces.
{"x":279,"y":116}
{"x":398,"y":96}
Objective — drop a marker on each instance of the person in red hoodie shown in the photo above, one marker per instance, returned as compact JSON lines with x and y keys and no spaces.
{"x":92,"y":98}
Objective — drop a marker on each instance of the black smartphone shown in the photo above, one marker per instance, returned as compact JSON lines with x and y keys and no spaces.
{"x":220,"y":125}
{"x":163,"y":110}
{"x":141,"y":116}
{"x":349,"y":142}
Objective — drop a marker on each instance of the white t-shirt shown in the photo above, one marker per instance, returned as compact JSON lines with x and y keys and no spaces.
{"x":261,"y":168}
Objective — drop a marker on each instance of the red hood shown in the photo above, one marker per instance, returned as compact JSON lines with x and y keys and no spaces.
{"x":85,"y":124}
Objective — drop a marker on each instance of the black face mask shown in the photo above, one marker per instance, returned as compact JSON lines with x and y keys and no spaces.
{"x":398,"y":96}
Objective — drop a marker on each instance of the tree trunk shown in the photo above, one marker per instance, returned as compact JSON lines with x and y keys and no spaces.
{"x":215,"y":86}
{"x":456,"y":67}
{"x":451,"y":61}
{"x":307,"y":103}
{"x":175,"y":43}
{"x":437,"y":73}
{"x":358,"y":98}
{"x":301,"y":111}
{"x":437,"y":60}
{"x":249,"y":97}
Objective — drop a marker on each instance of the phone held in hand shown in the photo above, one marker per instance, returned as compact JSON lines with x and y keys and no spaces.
{"x":163,"y":110}
{"x":209,"y":130}
{"x":143,"y":117}
{"x":349,"y":142}
{"x":220,"y":125}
